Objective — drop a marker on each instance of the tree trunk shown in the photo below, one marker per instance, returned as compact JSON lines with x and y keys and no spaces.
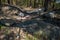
{"x":34,"y":3}
{"x":0,"y":2}
{"x":30,"y":3}
{"x":39,"y":3}
{"x":53,"y":4}
{"x":14,"y":2}
{"x":0,"y":5}
{"x":8,"y":1}
{"x":46,"y":5}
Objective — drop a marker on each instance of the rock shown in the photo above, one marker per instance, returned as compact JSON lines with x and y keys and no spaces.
{"x":21,"y":14}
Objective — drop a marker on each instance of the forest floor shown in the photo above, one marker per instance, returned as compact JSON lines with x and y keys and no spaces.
{"x":32,"y":29}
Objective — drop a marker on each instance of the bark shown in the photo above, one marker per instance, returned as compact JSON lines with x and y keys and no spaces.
{"x":0,"y":5}
{"x":0,"y":2}
{"x":34,"y":3}
{"x":46,"y":5}
{"x":53,"y":4}
{"x":8,"y":1}
{"x":30,"y":3}
{"x":14,"y":2}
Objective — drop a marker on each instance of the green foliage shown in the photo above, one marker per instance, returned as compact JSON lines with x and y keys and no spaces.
{"x":6,"y":29}
{"x":57,"y":5}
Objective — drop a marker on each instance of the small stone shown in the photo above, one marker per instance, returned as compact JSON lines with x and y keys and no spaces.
{"x":8,"y":24}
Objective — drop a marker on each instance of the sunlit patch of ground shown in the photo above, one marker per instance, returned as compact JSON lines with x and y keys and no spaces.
{"x":28,"y":8}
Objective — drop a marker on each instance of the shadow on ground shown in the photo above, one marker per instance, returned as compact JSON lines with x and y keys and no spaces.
{"x":33,"y":26}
